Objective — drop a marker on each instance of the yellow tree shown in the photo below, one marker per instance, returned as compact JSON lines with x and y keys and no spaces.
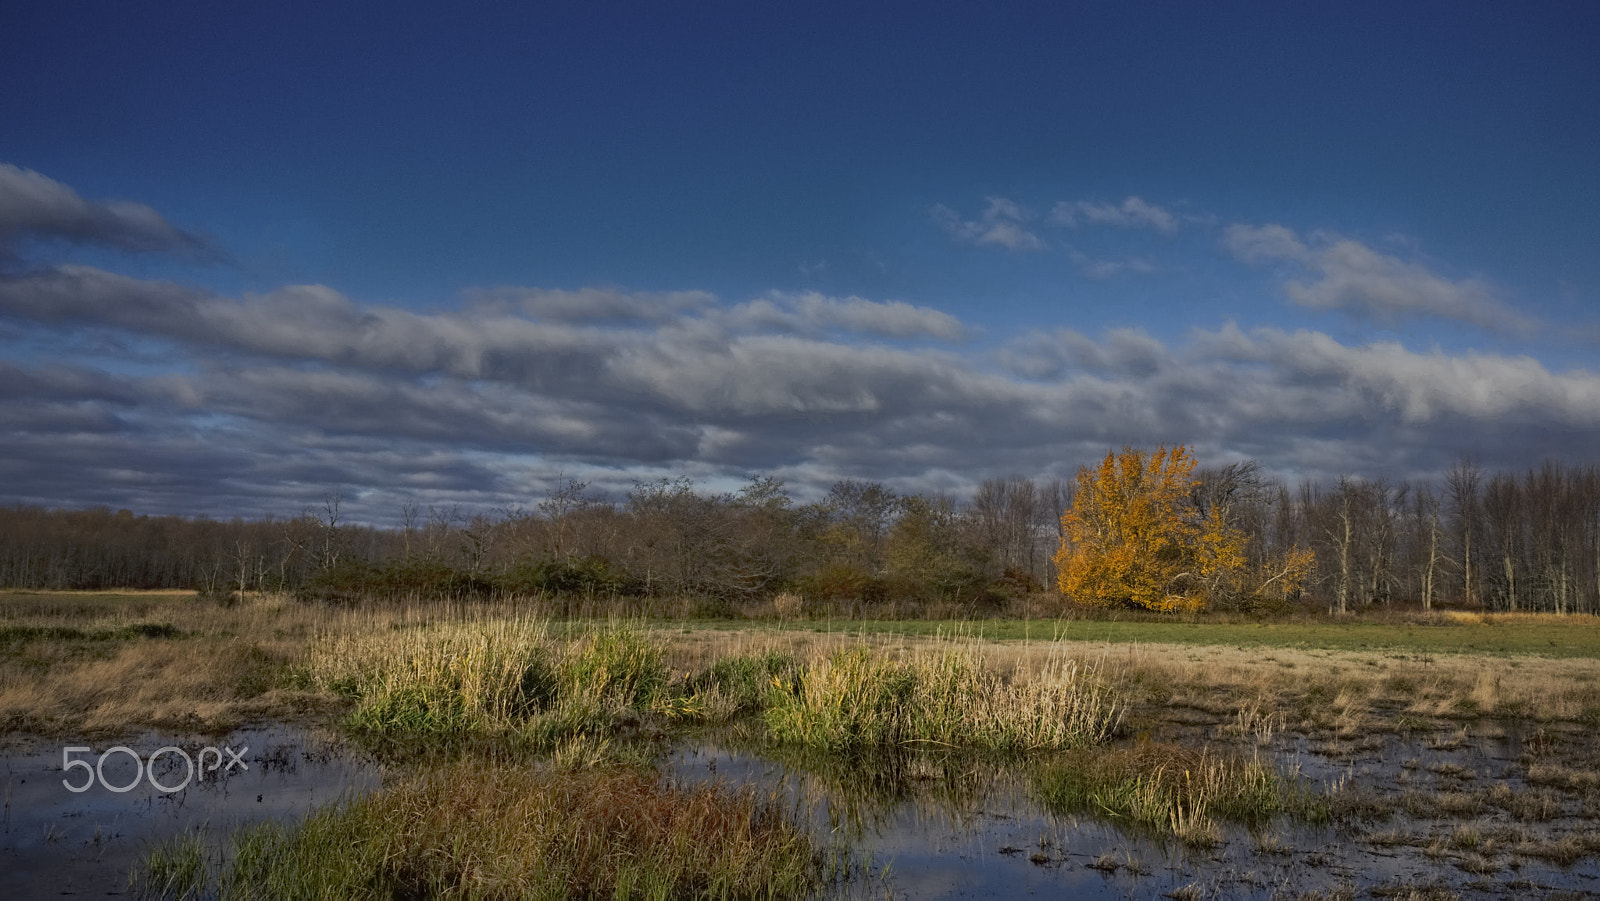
{"x":1133,"y":536}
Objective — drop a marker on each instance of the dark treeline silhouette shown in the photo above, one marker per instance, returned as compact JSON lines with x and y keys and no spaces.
{"x":1499,"y":541}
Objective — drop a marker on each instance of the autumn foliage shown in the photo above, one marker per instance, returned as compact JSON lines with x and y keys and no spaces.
{"x":1133,"y":536}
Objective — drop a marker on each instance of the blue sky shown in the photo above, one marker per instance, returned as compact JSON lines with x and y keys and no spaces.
{"x":247,"y":255}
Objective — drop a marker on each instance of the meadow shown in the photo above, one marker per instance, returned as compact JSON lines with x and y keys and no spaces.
{"x":493,"y":722}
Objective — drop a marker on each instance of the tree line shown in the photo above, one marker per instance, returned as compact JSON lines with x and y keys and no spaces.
{"x":1502,"y":541}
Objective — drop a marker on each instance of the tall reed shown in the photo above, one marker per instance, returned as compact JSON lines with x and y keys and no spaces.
{"x":492,"y":677}
{"x":947,"y":696}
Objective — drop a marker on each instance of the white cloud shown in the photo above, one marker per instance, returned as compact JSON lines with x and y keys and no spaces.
{"x":1120,"y":351}
{"x":1003,"y":223}
{"x":790,"y":383}
{"x":1106,"y":269}
{"x":1344,"y":274}
{"x":1133,"y":212}
{"x":1255,"y":244}
{"x":1386,"y":377}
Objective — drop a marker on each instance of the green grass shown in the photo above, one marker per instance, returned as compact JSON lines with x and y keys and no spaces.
{"x":174,"y":869}
{"x":1572,"y":637}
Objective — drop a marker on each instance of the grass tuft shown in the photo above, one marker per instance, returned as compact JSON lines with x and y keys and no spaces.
{"x":944,"y":697}
{"x":174,"y":869}
{"x":1175,"y":789}
{"x":477,"y":831}
{"x":500,"y":677}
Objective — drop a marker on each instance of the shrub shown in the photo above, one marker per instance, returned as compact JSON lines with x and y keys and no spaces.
{"x":588,"y":577}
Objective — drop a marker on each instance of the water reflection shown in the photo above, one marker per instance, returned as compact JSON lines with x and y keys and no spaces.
{"x":54,"y":840}
{"x":939,"y":825}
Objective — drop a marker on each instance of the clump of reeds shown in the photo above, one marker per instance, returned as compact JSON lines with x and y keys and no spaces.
{"x":944,"y":697}
{"x":449,"y":679}
{"x":476,"y":831}
{"x":496,"y":677}
{"x":1173,"y":788}
{"x":739,"y":684}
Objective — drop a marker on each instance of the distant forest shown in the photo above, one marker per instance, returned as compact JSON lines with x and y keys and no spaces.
{"x":1500,"y":541}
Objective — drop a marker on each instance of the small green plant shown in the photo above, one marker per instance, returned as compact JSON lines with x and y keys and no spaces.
{"x":174,"y":869}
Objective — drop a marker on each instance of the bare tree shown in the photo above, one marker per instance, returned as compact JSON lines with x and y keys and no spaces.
{"x":1505,"y":539}
{"x":1463,"y":482}
{"x":560,"y":510}
{"x":1430,"y":551}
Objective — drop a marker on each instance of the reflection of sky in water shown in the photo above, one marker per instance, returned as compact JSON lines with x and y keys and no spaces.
{"x":944,"y":829}
{"x":55,"y":840}
{"x":986,"y":838}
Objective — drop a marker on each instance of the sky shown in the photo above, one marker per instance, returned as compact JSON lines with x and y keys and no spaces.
{"x":251,"y":255}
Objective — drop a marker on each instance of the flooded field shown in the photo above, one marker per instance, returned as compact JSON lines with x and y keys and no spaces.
{"x":1484,"y":814}
{"x":1448,"y":815}
{"x":56,"y":841}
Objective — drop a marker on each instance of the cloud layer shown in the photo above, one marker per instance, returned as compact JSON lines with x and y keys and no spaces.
{"x":34,"y":206}
{"x":211,"y":399}
{"x":1335,"y":273}
{"x":168,"y":397}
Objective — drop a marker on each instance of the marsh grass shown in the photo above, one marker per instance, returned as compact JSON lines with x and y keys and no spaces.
{"x":944,"y":696}
{"x":496,"y":677}
{"x":1497,"y":634}
{"x":1174,"y":789}
{"x":741,"y":684}
{"x":475,"y":830}
{"x":174,"y":869}
{"x":1393,"y":674}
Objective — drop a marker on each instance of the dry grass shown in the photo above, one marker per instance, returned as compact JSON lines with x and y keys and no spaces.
{"x":211,"y":675}
{"x":1349,"y":693}
{"x":99,"y":667}
{"x":950,"y":696}
{"x":203,"y":685}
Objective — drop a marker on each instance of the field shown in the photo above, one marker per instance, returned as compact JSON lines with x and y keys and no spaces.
{"x":1465,"y":744}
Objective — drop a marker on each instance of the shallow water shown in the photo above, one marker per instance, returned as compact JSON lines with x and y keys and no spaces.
{"x":930,"y":833}
{"x":925,"y":827}
{"x":54,"y":841}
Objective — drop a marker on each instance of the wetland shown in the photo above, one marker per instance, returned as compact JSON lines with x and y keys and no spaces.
{"x":435,"y":751}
